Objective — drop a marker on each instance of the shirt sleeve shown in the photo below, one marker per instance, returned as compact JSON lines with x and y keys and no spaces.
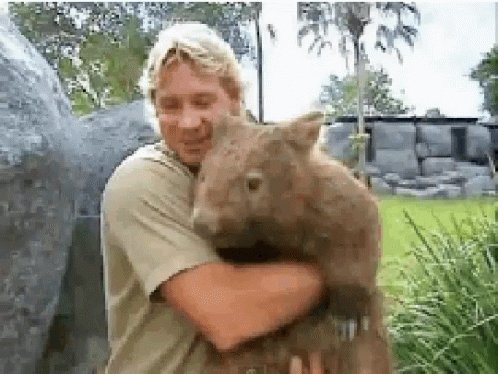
{"x":147,"y":212}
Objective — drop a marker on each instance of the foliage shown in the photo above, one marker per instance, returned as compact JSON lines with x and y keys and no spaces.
{"x":340,"y":95}
{"x":99,"y":49}
{"x":445,"y":320}
{"x":486,"y":74}
{"x":350,"y":19}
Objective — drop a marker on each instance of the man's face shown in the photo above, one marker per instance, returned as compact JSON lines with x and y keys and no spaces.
{"x":187,"y":104}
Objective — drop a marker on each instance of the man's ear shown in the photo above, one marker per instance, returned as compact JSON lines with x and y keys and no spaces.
{"x":225,"y":125}
{"x":302,"y":132}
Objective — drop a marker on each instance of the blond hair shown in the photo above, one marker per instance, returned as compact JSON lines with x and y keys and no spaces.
{"x":201,"y":46}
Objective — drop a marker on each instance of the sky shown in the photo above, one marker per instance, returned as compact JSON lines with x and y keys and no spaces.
{"x":453,"y":38}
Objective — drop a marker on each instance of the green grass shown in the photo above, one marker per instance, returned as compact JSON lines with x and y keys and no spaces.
{"x":399,"y":236}
{"x":443,"y":319}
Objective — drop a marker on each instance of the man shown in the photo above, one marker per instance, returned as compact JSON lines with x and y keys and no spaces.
{"x":167,"y":292}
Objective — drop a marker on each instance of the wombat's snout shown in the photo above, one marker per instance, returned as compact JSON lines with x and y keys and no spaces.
{"x":205,"y":222}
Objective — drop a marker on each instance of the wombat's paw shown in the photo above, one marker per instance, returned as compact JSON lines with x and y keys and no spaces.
{"x":347,"y":330}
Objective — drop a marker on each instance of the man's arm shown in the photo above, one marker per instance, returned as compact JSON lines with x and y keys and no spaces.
{"x":231,"y":304}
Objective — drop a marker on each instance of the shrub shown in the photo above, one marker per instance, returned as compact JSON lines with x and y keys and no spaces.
{"x":445,"y":317}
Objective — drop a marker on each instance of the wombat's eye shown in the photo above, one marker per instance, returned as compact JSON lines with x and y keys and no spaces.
{"x":253,"y":181}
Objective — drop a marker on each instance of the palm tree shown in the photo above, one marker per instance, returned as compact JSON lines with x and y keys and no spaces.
{"x":256,"y":15}
{"x":350,"y":20}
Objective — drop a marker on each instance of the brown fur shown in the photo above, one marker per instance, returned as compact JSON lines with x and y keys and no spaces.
{"x":267,"y":192}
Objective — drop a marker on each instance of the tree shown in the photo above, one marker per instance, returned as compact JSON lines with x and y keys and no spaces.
{"x":99,"y":49}
{"x":486,"y":73}
{"x":339,"y":95}
{"x":350,"y":20}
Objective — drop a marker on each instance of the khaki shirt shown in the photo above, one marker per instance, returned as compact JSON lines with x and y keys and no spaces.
{"x":147,"y":237}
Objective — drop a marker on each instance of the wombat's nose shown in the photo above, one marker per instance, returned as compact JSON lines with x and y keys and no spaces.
{"x":205,"y":222}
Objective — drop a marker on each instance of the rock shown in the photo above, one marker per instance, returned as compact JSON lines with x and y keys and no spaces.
{"x":37,"y":194}
{"x":470,"y":171}
{"x":478,"y":142}
{"x":408,"y":183}
{"x":372,"y":170}
{"x":476,"y":185}
{"x":393,"y":136}
{"x":422,"y":150}
{"x":427,"y":193}
{"x":436,"y":140}
{"x":379,"y":186}
{"x":453,"y":177}
{"x":392,"y":178}
{"x":449,"y":190}
{"x":424,"y":182}
{"x":402,"y":162}
{"x":336,"y":140}
{"x":437,"y":165}
{"x":108,"y":136}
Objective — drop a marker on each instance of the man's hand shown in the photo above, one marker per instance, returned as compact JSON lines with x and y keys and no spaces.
{"x":316,"y":365}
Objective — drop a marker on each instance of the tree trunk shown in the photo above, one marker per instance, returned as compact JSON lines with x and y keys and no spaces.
{"x":360,"y":72}
{"x":260,"y":66}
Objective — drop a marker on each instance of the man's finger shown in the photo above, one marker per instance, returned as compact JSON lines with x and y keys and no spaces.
{"x":296,"y":365}
{"x":316,"y":365}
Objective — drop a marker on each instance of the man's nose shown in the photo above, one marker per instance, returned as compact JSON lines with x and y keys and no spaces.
{"x":205,"y":222}
{"x":189,"y":121}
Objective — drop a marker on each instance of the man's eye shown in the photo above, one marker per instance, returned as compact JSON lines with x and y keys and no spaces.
{"x":171,"y":106}
{"x":202,"y":104}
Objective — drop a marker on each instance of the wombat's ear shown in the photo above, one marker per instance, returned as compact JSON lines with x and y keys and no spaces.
{"x":302,"y":132}
{"x":222,"y":127}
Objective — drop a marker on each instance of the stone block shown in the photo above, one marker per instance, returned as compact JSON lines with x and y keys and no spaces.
{"x":372,"y":170}
{"x":424,"y":182}
{"x":408,"y":183}
{"x":392,"y":178}
{"x":393,"y":136}
{"x":469,"y":171}
{"x":423,"y":194}
{"x":450,"y":190}
{"x":379,"y":186}
{"x":401,"y":162}
{"x":436,"y":140}
{"x":336,"y":140}
{"x":422,"y":150}
{"x":453,"y":177}
{"x":478,"y":142}
{"x":476,"y":185}
{"x":437,"y":165}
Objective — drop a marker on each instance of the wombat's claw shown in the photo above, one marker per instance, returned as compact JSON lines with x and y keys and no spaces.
{"x":351,"y":329}
{"x":347,"y":329}
{"x":364,"y":323}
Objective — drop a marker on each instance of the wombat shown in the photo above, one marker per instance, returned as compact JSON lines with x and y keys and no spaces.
{"x":268,"y":193}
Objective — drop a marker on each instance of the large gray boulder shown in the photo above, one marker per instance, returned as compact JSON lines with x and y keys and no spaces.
{"x":393,"y":136}
{"x":402,"y":162}
{"x":434,"y":140}
{"x":478,"y":142}
{"x":437,"y":165}
{"x":108,"y":136}
{"x":37,"y":194}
